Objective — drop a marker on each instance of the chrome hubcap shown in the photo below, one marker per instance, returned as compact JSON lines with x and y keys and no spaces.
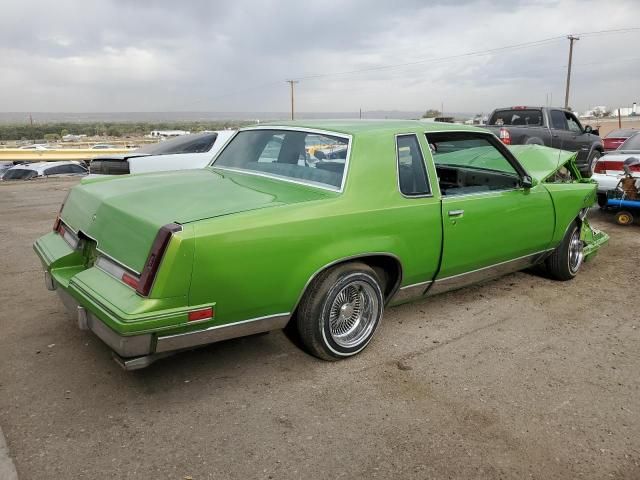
{"x":352,"y":315}
{"x":576,"y":254}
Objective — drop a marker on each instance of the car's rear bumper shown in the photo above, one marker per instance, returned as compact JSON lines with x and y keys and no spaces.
{"x":606,"y":182}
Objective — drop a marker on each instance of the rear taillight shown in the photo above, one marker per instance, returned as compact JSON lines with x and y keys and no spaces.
{"x":612,"y":143}
{"x":155,"y":257}
{"x":599,"y":168}
{"x":505,"y":136}
{"x":56,"y":223}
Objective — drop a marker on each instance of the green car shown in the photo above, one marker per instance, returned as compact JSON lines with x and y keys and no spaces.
{"x":315,"y":227}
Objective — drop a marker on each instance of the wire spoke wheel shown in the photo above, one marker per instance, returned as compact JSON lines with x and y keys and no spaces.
{"x":576,"y":251}
{"x":353,"y":314}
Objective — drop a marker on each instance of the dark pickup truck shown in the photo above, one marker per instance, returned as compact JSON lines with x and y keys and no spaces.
{"x":553,"y":127}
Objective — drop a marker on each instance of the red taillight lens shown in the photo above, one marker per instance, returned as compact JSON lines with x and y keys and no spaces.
{"x":612,"y":143}
{"x":155,"y":257}
{"x":130,"y":280}
{"x":56,"y":223}
{"x":505,"y":136}
{"x":599,"y":168}
{"x":202,"y":314}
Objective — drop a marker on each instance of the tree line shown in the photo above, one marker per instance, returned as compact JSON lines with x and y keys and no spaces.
{"x":56,"y":130}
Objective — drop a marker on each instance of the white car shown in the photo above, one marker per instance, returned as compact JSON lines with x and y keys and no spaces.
{"x":608,"y":171}
{"x":27,"y":171}
{"x":180,"y":153}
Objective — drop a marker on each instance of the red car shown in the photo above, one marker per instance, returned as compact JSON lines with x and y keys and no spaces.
{"x":615,"y":138}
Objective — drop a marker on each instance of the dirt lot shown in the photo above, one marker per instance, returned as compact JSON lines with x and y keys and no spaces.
{"x":519,"y":378}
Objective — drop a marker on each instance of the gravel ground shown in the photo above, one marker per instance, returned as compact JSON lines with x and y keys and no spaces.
{"x":522,"y":377}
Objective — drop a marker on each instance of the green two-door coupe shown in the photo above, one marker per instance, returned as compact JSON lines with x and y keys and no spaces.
{"x":314,"y":226}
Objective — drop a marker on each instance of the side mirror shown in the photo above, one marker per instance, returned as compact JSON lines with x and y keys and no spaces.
{"x":526,"y":182}
{"x":588,"y":129}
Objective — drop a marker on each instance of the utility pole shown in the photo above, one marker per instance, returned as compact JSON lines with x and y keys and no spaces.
{"x":566,"y":96}
{"x":292,"y":83}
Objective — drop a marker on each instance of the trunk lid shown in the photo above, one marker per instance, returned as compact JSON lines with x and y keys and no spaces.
{"x":123,"y":214}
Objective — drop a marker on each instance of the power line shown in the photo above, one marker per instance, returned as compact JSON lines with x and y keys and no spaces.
{"x":516,"y":46}
{"x":432,"y":61}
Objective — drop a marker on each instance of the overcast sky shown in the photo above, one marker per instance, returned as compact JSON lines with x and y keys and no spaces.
{"x":234,"y":56}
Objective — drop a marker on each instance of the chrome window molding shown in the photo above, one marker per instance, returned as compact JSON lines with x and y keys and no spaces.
{"x":424,"y":165}
{"x":344,"y":136}
{"x":486,"y":134}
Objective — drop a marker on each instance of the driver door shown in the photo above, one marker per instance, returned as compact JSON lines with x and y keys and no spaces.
{"x":491,"y":225}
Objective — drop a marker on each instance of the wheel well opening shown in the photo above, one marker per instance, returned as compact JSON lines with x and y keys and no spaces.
{"x":388,"y":270}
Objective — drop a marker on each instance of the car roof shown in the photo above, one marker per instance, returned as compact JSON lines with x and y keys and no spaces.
{"x":358,"y":127}
{"x":622,"y":132}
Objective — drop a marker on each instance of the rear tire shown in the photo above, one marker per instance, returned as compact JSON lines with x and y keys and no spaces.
{"x":565,"y":261}
{"x":624,"y":218}
{"x":602,"y":200}
{"x":340,"y":311}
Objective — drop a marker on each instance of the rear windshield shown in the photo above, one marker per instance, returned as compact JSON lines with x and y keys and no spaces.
{"x":622,"y":133}
{"x":632,"y":143}
{"x":311,"y":158}
{"x":517,"y":118}
{"x":19,"y":174}
{"x":198,"y":143}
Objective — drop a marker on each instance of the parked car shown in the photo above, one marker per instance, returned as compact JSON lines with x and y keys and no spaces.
{"x":37,"y":146}
{"x":180,"y":153}
{"x":267,"y":238}
{"x":615,"y":138}
{"x":553,"y":127}
{"x":28,"y":171}
{"x":609,"y":169}
{"x":4,"y":166}
{"x":103,"y":146}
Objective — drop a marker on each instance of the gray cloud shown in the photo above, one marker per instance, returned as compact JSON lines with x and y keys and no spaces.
{"x":117,"y":55}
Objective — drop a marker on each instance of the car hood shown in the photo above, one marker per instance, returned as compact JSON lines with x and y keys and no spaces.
{"x":123,"y":214}
{"x":541,"y":162}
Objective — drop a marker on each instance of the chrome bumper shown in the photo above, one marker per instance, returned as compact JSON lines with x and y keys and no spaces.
{"x":139,"y":351}
{"x":131,"y":346}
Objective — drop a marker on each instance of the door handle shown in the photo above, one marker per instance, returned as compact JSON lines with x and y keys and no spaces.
{"x":456,"y":213}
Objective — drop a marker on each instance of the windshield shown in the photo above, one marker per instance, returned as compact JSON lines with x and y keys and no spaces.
{"x":311,"y":158}
{"x":632,"y":143}
{"x":517,"y":117}
{"x":198,"y":143}
{"x":19,"y":174}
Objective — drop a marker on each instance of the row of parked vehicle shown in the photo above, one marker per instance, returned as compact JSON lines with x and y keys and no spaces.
{"x":613,"y":161}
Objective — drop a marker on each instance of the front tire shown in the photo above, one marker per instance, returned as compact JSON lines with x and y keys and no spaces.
{"x":340,"y":311}
{"x":591,"y":163}
{"x":565,"y":261}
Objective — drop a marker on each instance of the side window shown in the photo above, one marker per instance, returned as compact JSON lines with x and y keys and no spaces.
{"x":412,"y":174}
{"x":573,"y":123}
{"x":558,"y":120}
{"x":52,"y":171}
{"x":272,"y":149}
{"x":469,"y":162}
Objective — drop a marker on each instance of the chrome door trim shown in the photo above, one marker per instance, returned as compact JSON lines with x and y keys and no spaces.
{"x":489,"y":272}
{"x":410,"y":292}
{"x":218,"y":333}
